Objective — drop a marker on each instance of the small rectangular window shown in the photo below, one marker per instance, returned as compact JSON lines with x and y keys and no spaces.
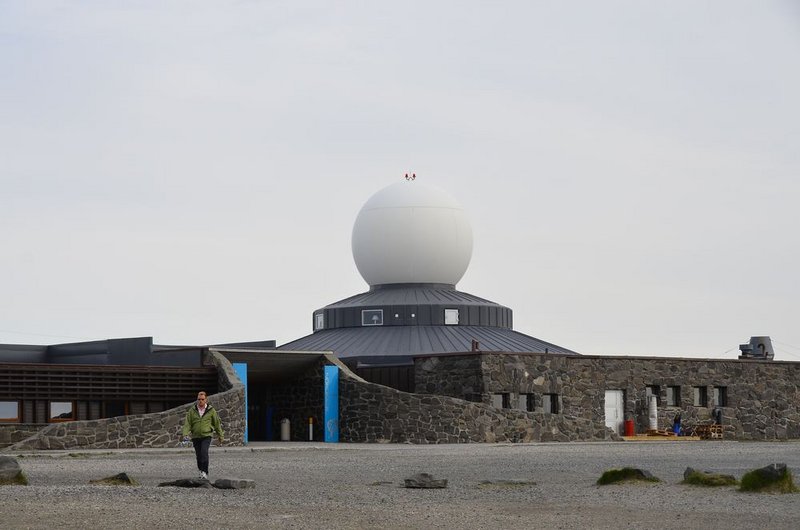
{"x":700,"y":396}
{"x":673,"y":396}
{"x":526,"y":402}
{"x":9,"y":411}
{"x":319,"y":321}
{"x":501,"y":401}
{"x":372,"y":317}
{"x":652,"y":390}
{"x":450,"y":317}
{"x":720,"y":396}
{"x":62,"y":411}
{"x":550,"y":403}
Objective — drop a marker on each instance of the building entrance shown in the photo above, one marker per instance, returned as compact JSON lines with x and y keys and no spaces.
{"x":615,"y":410}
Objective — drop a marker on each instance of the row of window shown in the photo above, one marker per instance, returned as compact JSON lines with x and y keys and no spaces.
{"x":552,"y":403}
{"x":57,"y":411}
{"x":719,"y":396}
{"x":54,"y":411}
{"x":528,"y":402}
{"x":374,"y":317}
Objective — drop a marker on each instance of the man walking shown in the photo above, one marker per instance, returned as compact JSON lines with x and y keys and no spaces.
{"x":201,"y":423}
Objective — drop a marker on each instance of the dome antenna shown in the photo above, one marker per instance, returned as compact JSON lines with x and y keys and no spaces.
{"x":412,"y":177}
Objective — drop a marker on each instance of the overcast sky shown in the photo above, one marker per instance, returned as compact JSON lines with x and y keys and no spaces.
{"x":191,"y":170}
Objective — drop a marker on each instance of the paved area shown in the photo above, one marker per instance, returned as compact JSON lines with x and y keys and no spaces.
{"x":305,"y":485}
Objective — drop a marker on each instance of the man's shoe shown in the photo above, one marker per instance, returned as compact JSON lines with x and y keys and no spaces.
{"x":203,"y":475}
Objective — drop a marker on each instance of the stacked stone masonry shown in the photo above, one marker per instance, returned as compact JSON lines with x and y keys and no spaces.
{"x":454,"y":401}
{"x":374,"y":413}
{"x":762,"y":397}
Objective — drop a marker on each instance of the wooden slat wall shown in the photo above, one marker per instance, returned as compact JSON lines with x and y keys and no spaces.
{"x":83,"y":382}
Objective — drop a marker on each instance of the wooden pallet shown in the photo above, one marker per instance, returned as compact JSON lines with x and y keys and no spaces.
{"x":659,"y":432}
{"x":709,"y":432}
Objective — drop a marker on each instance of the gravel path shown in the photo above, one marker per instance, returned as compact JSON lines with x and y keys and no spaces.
{"x":359,"y":486}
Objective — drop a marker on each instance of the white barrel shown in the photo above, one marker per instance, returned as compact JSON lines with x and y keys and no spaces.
{"x":653,"y":416}
{"x":286,"y":429}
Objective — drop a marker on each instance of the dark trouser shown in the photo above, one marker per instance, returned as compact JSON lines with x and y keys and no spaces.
{"x":201,"y":446}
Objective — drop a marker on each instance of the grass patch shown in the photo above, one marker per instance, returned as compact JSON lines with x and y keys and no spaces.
{"x":698,"y":478}
{"x":121,"y":479}
{"x":20,"y":480}
{"x":626,"y":474}
{"x":757,"y":480}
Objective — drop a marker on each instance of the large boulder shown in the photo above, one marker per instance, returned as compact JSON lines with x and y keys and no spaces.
{"x":188,"y":483}
{"x":771,"y":478}
{"x":11,"y":472}
{"x":707,"y":478}
{"x":120,"y":479}
{"x":425,"y":481}
{"x":234,"y":483}
{"x":772,"y":472}
{"x":626,"y":474}
{"x":9,"y":467}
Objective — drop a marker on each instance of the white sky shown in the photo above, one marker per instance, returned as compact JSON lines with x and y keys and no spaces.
{"x":192,"y":170}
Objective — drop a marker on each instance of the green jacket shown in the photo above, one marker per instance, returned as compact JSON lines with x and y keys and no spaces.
{"x":202,"y":426}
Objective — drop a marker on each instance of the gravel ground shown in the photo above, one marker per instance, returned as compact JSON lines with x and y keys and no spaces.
{"x":359,"y":486}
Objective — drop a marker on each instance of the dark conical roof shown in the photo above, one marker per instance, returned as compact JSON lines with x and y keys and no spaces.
{"x":393,"y":323}
{"x":395,"y":344}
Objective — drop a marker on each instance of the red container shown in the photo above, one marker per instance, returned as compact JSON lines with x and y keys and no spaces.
{"x":629,"y":428}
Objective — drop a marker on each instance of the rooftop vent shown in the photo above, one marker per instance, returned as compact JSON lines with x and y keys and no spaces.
{"x":757,"y":348}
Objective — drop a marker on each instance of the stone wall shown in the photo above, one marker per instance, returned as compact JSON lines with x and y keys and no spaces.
{"x":453,"y":403}
{"x":11,"y":433}
{"x":464,"y":376}
{"x":373,"y":413}
{"x":159,"y":429}
{"x":763,"y":397}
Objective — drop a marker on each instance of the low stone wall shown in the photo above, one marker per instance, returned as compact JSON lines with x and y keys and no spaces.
{"x":762,"y":402}
{"x":159,"y":429}
{"x":374,"y":413}
{"x":11,"y":433}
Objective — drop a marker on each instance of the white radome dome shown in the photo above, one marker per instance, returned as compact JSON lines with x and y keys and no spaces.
{"x":412,"y":233}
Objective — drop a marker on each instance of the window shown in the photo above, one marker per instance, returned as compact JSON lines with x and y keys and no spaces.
{"x":9,"y":411}
{"x":526,"y":402}
{"x":62,"y":411}
{"x":673,"y":396}
{"x":450,"y":317}
{"x":700,"y":396}
{"x":720,"y":396}
{"x":319,"y":321}
{"x":501,"y":401}
{"x":550,"y":403}
{"x":652,"y":390}
{"x":372,"y":317}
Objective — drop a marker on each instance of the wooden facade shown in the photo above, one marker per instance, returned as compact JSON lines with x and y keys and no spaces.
{"x":47,"y":393}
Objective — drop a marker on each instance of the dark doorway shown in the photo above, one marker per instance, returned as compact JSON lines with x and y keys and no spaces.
{"x":258,"y":410}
